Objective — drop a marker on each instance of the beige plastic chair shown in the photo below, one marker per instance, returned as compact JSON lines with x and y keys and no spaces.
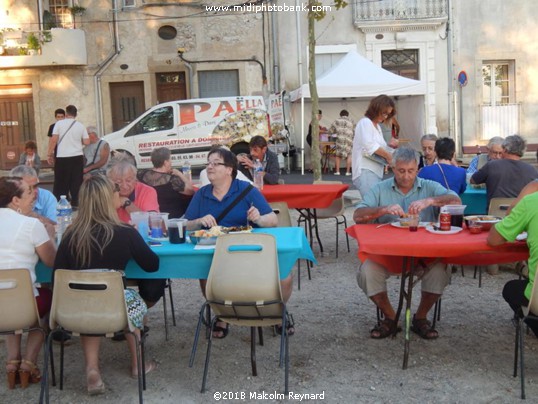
{"x":243,"y":289}
{"x":92,"y":303}
{"x":336,"y":212}
{"x":284,"y":220}
{"x":16,"y":291}
{"x":529,"y":312}
{"x":499,"y":206}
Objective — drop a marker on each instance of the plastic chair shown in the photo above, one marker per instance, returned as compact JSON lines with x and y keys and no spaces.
{"x":336,"y":212}
{"x":16,"y":291}
{"x":527,"y":313}
{"x":499,"y":206}
{"x":243,"y":289}
{"x":91,"y":303}
{"x":284,"y":220}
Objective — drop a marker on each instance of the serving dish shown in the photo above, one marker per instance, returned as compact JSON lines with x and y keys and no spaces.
{"x":486,"y":221}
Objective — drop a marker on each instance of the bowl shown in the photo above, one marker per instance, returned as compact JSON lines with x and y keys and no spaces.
{"x":485,"y":221}
{"x":406,"y":220}
{"x":203,"y":240}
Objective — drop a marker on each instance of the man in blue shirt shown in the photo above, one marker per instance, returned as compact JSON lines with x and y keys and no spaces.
{"x":45,"y":203}
{"x":384,"y":203}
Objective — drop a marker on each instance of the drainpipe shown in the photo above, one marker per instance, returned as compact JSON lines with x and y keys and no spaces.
{"x":300,"y":69}
{"x":276,"y":55}
{"x":449,"y":68}
{"x":103,"y":66}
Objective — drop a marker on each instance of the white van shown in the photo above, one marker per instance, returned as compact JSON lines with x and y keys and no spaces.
{"x":190,"y":127}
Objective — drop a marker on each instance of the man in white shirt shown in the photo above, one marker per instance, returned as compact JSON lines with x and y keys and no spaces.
{"x":70,"y":136}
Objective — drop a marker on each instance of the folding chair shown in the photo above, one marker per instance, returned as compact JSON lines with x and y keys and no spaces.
{"x":528,"y":312}
{"x":16,"y":291}
{"x":91,"y":303}
{"x":243,"y":289}
{"x":284,"y":220}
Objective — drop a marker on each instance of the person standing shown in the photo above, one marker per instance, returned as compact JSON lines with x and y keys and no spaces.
{"x":343,"y":128}
{"x":59,"y":114}
{"x":96,"y":154}
{"x":370,"y":151}
{"x":69,"y":136}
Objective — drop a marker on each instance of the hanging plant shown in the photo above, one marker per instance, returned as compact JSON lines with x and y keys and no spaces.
{"x":77,"y":10}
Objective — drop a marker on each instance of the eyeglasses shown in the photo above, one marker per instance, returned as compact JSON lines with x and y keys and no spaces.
{"x":215,"y":163}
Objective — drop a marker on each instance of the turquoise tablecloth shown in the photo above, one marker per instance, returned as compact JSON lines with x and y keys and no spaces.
{"x":184,"y":261}
{"x":476,"y":201}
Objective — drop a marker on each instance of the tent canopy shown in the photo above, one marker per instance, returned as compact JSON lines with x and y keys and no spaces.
{"x":356,"y":77}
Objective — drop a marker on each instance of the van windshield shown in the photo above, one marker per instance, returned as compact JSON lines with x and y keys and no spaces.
{"x":157,"y":120}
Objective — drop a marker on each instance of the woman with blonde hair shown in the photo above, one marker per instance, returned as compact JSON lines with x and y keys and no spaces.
{"x":98,"y":239}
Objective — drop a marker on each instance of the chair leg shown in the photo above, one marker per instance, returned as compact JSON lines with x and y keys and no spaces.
{"x":517,"y":322}
{"x":62,"y":364}
{"x":308,"y":266}
{"x":253,"y":351}
{"x":197,"y":335}
{"x":336,"y":219}
{"x":347,"y":235}
{"x":172,"y":302}
{"x":143,"y":357}
{"x":208,"y":354}
{"x":52,"y":370}
{"x":260,"y":335}
{"x":479,"y":276}
{"x":521,"y":363}
{"x":140,"y":366}
{"x":299,"y":274}
{"x":165,"y":313}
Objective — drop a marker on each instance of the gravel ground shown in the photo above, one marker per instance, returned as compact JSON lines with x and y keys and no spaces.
{"x":331,"y":352}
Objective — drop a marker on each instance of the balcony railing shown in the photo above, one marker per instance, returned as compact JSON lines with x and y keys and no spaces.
{"x":400,"y":12}
{"x":57,"y":47}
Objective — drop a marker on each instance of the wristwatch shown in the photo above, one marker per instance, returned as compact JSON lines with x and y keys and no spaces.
{"x":126,"y":203}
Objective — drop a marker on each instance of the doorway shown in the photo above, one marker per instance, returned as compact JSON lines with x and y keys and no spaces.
{"x":127,"y":99}
{"x":17,"y":123}
{"x":171,"y":86}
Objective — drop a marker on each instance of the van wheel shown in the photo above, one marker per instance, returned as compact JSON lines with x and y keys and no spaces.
{"x":239,"y":148}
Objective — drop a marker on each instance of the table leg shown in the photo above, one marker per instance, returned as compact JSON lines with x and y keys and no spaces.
{"x":409,"y":296}
{"x":315,"y":216}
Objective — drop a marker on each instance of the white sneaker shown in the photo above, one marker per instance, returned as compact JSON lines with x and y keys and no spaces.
{"x":348,"y":174}
{"x":337,"y":173}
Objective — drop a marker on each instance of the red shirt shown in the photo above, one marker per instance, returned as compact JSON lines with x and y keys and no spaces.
{"x":145,"y":199}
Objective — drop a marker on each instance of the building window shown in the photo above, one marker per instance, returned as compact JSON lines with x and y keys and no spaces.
{"x":60,"y":13}
{"x":129,"y":3}
{"x":401,"y":62}
{"x":218,"y":83}
{"x":498,"y":82}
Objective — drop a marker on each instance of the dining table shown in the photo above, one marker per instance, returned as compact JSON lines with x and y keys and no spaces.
{"x":404,"y":252}
{"x":306,"y":198}
{"x":188,"y":261}
{"x":475,"y":199}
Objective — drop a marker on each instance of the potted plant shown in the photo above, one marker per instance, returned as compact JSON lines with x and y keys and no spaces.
{"x":76,"y":10}
{"x":33,"y":44}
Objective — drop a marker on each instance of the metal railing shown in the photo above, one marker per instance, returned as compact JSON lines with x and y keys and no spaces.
{"x":499,"y":120}
{"x":400,"y":10}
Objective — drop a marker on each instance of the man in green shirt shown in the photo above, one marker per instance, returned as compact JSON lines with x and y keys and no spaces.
{"x":523,"y":217}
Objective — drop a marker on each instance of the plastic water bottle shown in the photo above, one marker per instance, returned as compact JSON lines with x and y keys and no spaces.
{"x":258,"y":174}
{"x":64,"y":216}
{"x":186,"y":170}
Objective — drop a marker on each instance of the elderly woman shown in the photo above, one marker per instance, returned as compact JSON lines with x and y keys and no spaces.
{"x":174,"y":190}
{"x":370,"y":151}
{"x":135,"y":197}
{"x":428,"y":157}
{"x":210,"y":207}
{"x":24,"y":240}
{"x":98,"y":239}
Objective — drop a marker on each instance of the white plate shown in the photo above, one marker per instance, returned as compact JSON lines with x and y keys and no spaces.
{"x":453,"y":230}
{"x":399,"y":226}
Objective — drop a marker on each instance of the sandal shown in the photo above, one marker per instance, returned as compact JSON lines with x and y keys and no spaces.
{"x":290,"y":329}
{"x":385,"y":328}
{"x":12,"y":374}
{"x":31,"y":375}
{"x":218,"y":328}
{"x":423,"y":328}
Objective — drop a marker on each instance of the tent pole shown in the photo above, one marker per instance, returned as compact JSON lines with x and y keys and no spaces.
{"x":300,"y":67}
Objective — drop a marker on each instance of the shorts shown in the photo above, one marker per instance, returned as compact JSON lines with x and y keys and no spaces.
{"x":136,"y":308}
{"x":151,"y":290}
{"x":43,"y":301}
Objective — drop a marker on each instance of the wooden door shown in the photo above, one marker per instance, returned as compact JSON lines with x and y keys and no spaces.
{"x":171,"y":86}
{"x":127,"y":100}
{"x":17,"y":123}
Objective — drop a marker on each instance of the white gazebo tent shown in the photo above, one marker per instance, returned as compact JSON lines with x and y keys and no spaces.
{"x":355,"y":80}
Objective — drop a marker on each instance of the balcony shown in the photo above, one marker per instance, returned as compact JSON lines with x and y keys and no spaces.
{"x":399,"y":15}
{"x":57,"y":47}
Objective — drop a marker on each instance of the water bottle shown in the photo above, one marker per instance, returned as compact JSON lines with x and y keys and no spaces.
{"x":258,"y":174}
{"x":186,"y":170}
{"x":64,"y":214}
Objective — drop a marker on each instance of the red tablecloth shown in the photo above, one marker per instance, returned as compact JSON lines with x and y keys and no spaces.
{"x":313,"y":196}
{"x":388,"y":245}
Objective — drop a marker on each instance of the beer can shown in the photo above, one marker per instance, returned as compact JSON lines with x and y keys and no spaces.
{"x":444,"y":221}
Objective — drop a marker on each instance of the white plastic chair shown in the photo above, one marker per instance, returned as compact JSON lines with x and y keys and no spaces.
{"x":243,"y":289}
{"x":91,"y":303}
